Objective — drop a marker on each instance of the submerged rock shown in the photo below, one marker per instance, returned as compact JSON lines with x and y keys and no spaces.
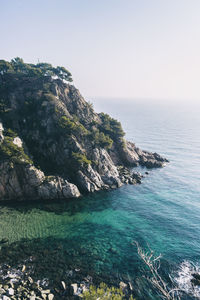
{"x":123,"y":285}
{"x":63,"y":285}
{"x":74,"y":287}
{"x":196,"y":279}
{"x":3,"y":241}
{"x":1,"y":133}
{"x":11,"y":292}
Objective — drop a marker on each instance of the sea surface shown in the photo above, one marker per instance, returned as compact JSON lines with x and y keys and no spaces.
{"x":163,"y":213}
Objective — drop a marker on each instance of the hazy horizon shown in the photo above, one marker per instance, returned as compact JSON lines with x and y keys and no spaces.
{"x":114,"y":49}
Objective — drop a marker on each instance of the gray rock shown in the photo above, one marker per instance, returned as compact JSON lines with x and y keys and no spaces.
{"x":45,"y":291}
{"x":34,"y":176}
{"x":57,"y":188}
{"x":84,"y":288}
{"x":130,"y":155}
{"x":6,"y":287}
{"x":2,"y":291}
{"x":85,"y":183}
{"x":130,"y":286}
{"x":75,"y":288}
{"x":106,"y":168}
{"x":1,"y":133}
{"x":70,"y":190}
{"x":23,"y":268}
{"x":123,"y":285}
{"x":20,"y":181}
{"x":63,"y":285}
{"x":6,"y":298}
{"x":30,"y":279}
{"x":17,"y":141}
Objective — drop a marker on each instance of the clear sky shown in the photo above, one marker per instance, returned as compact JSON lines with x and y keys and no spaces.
{"x":113,"y":48}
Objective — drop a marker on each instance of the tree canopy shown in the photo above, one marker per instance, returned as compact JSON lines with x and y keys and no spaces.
{"x":18,"y":66}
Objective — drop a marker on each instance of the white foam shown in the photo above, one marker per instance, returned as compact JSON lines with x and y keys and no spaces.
{"x":184,"y":276}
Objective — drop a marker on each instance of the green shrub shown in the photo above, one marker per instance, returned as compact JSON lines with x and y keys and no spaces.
{"x":8,"y":150}
{"x":9,"y":132}
{"x":18,"y":67}
{"x":69,"y":126}
{"x":103,"y":292}
{"x":111,"y":126}
{"x":102,"y":140}
{"x":80,"y":159}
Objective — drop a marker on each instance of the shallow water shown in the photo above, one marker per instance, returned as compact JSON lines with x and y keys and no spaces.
{"x":163,"y":212}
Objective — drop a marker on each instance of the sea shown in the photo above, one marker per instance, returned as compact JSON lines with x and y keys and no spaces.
{"x":101,"y":232}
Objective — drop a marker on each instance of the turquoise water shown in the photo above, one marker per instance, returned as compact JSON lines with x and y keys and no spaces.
{"x":163,"y":212}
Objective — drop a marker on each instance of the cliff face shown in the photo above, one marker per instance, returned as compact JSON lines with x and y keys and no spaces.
{"x":53,"y":144}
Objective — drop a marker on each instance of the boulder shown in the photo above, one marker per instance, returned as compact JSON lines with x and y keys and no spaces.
{"x":17,"y":141}
{"x":75,"y":288}
{"x":129,"y":154}
{"x":1,"y":133}
{"x":11,"y":292}
{"x":57,"y":188}
{"x":123,"y":285}
{"x":196,"y":279}
{"x":6,"y":298}
{"x":89,"y":180}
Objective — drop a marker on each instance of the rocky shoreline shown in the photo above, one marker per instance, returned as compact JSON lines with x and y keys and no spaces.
{"x":22,"y":180}
{"x":18,"y":284}
{"x":36,"y":277}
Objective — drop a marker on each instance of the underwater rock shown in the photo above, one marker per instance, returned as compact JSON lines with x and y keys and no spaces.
{"x":196,"y":279}
{"x":3,"y":241}
{"x":63,"y":284}
{"x":11,"y":292}
{"x":74,"y":287}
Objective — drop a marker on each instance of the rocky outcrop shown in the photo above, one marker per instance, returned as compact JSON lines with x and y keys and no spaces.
{"x":46,"y":122}
{"x":135,"y":156}
{"x":106,"y":168}
{"x":90,"y":180}
{"x":24,"y":181}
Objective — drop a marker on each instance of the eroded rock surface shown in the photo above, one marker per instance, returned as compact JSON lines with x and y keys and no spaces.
{"x":24,"y":182}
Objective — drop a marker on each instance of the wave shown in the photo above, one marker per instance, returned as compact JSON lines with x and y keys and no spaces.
{"x":184,"y":277}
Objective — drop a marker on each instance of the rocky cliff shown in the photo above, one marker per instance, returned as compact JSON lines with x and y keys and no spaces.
{"x":53,"y":144}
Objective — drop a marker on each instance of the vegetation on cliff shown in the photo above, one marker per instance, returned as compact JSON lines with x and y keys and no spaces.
{"x":9,"y":150}
{"x":19,"y":68}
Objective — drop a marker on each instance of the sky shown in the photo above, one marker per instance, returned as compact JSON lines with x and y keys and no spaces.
{"x":113,"y":48}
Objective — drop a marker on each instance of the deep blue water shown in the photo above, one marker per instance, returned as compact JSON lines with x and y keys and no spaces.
{"x":163,"y":212}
